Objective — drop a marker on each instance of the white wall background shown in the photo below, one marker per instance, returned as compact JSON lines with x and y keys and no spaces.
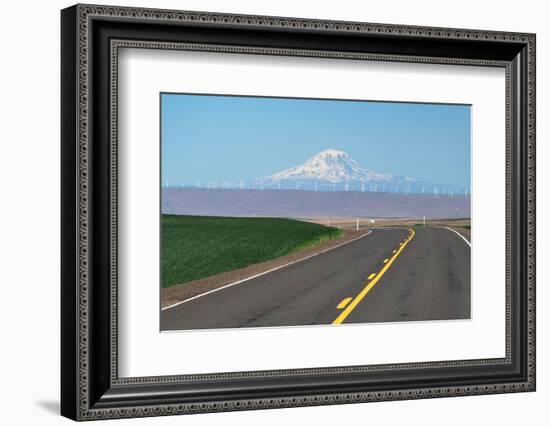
{"x":29,"y":214}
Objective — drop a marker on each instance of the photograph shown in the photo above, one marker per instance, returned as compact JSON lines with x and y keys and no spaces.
{"x":278,"y":212}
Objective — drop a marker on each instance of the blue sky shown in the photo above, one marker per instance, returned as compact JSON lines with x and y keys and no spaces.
{"x":215,"y":138}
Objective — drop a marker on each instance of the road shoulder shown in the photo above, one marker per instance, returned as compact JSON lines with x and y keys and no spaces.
{"x":182,"y":292}
{"x":465,"y":232}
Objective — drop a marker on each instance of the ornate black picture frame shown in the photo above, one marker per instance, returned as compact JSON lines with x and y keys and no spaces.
{"x":91,"y":387}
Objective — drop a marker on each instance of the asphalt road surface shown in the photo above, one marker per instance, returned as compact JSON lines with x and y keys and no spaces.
{"x":392,"y":274}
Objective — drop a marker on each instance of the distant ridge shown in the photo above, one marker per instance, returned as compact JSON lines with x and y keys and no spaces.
{"x":311,"y":204}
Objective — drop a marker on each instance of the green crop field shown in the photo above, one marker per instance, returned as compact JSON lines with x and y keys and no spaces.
{"x":195,"y":247}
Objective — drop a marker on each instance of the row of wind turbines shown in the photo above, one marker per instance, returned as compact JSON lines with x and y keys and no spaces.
{"x":435,"y":190}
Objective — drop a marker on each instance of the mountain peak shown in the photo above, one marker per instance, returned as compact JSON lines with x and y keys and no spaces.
{"x":332,"y":153}
{"x":330,"y":166}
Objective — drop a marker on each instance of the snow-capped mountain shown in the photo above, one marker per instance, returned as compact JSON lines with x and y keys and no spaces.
{"x":330,"y":166}
{"x":333,"y":170}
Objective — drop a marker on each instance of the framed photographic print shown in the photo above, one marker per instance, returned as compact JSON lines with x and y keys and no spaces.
{"x":289,"y":248}
{"x":263,"y":212}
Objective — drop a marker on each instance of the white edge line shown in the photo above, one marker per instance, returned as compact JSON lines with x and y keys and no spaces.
{"x":460,"y":235}
{"x":261,"y":273}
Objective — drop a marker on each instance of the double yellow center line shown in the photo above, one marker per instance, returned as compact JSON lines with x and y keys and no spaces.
{"x":350,"y":306}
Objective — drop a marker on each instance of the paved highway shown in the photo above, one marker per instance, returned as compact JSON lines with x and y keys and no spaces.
{"x":392,"y":274}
